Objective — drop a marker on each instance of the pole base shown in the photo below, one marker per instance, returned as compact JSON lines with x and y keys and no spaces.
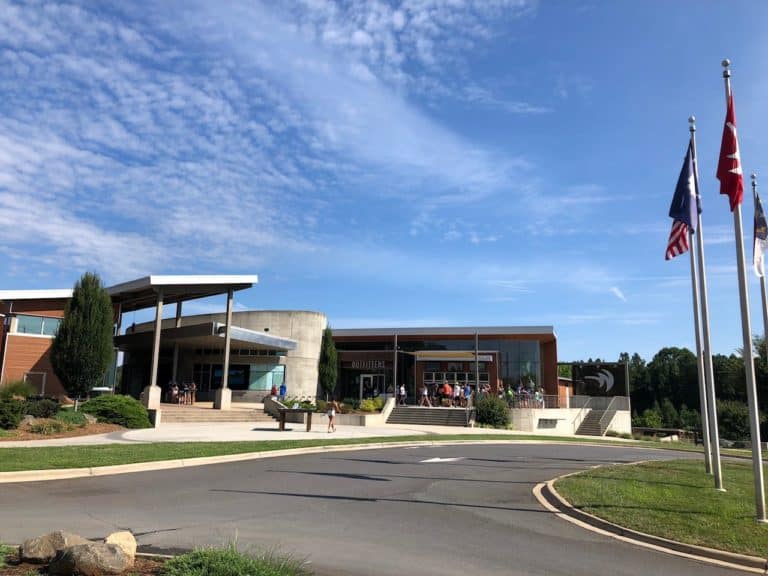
{"x":223,"y":399}
{"x":721,"y":489}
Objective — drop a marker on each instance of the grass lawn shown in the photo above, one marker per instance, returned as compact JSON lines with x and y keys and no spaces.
{"x":675,"y":500}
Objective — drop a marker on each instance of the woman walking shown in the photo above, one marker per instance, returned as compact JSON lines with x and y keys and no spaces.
{"x":333,"y":406}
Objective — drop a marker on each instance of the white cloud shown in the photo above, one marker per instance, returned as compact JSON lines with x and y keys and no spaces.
{"x":618,"y":293}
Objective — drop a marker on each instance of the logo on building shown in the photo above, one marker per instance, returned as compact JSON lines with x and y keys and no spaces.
{"x":368,"y":364}
{"x":600,"y":379}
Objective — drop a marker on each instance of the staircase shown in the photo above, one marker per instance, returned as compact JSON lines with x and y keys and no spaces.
{"x":172,"y":414}
{"x":590,"y":426}
{"x":428,"y":416}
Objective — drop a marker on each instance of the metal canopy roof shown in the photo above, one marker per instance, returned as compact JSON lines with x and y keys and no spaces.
{"x":9,"y":295}
{"x":142,"y":293}
{"x":206,"y":334}
{"x":545,"y":331}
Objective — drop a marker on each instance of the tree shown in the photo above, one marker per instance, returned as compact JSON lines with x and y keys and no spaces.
{"x":327,"y":369}
{"x":83,"y":347}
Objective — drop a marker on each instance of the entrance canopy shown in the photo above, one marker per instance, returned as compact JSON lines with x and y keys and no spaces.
{"x":143,"y":293}
{"x":205,"y":335}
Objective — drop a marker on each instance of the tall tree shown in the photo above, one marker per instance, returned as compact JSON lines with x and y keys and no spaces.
{"x":83,"y":346}
{"x":327,"y":369}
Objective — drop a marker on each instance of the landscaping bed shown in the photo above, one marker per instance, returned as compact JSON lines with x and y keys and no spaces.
{"x":25,"y":431}
{"x":142,"y":567}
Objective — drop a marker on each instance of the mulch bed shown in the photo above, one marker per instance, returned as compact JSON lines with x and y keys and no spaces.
{"x":142,"y":567}
{"x":23,"y":433}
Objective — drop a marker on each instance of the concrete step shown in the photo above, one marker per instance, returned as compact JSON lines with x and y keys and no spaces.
{"x":182,"y":415}
{"x":428,"y":416}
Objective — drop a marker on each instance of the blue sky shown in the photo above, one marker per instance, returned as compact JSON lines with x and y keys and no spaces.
{"x":417,"y":163}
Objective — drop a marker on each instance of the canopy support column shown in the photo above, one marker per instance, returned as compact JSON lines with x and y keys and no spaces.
{"x":223,"y":399}
{"x":152,"y":392}
{"x":174,"y":377}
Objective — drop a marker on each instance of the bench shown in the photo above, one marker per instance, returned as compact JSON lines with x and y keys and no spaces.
{"x":285,"y":411}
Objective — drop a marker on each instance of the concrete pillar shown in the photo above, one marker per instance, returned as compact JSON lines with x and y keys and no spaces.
{"x":174,"y":377}
{"x":223,"y":400}
{"x":152,"y":393}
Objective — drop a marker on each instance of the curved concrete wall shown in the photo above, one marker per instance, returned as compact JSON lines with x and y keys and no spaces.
{"x":303,"y":326}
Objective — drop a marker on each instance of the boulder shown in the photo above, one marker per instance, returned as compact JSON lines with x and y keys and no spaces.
{"x":43,"y":548}
{"x":92,"y":559}
{"x":91,"y":419}
{"x":125,"y":540}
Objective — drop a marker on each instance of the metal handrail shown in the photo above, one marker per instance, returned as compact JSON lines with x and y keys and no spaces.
{"x":609,"y":411}
{"x":581,"y":415}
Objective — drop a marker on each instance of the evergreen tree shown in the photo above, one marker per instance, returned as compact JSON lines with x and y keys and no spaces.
{"x":328,"y":368}
{"x":83,"y":346}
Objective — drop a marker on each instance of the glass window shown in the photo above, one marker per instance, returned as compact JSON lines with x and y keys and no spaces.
{"x":29,"y":324}
{"x":263,"y":376}
{"x":50,"y":326}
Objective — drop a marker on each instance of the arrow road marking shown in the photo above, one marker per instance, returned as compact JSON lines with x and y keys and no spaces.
{"x":433,"y":460}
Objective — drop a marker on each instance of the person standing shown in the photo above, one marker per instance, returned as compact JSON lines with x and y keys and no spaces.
{"x":401,"y":393}
{"x":283,"y":391}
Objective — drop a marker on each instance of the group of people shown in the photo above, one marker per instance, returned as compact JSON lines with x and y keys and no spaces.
{"x":523,"y":396}
{"x":184,"y":394}
{"x":445,"y":394}
{"x":279,"y":393}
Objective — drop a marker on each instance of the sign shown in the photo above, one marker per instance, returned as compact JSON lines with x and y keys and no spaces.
{"x":368,"y":364}
{"x":600,"y":379}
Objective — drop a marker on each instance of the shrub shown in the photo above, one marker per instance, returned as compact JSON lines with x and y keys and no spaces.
{"x":71,"y":417}
{"x":378,"y":402}
{"x":11,"y":413}
{"x":733,"y":420}
{"x":41,"y":408}
{"x":16,"y":389}
{"x":492,"y":411}
{"x":322,"y":405}
{"x":650,"y":419}
{"x":230,"y":562}
{"x":368,"y":405}
{"x":48,"y":427}
{"x":122,"y":410}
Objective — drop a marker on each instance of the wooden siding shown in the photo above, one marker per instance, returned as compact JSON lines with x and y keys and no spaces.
{"x":31,"y":354}
{"x":53,"y":307}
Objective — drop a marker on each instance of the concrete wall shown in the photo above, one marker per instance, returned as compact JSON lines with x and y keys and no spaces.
{"x":559,"y":421}
{"x":304,"y":327}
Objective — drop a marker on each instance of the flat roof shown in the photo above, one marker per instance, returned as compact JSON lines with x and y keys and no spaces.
{"x":206,"y":334}
{"x":7,"y":295}
{"x":448,"y":331}
{"x":142,"y":293}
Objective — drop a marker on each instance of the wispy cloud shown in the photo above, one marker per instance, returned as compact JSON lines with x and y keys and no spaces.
{"x":618,"y":293}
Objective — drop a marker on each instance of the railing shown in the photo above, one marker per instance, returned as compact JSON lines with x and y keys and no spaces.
{"x":583,"y":412}
{"x":610,"y":412}
{"x":545,"y":401}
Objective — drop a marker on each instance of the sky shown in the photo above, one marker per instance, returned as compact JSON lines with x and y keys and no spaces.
{"x":410,"y":163}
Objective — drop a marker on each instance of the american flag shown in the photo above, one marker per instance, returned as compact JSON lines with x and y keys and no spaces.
{"x":685,"y":208}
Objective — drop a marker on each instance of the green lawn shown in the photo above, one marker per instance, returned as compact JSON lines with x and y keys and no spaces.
{"x":674,"y":500}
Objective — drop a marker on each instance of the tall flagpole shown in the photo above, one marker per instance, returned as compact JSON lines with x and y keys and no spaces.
{"x":746,"y":332}
{"x":762,"y":278}
{"x":696,"y":316}
{"x":708,"y":406}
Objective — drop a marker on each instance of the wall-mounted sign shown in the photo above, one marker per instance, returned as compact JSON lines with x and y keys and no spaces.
{"x":368,"y":364}
{"x":603,"y":379}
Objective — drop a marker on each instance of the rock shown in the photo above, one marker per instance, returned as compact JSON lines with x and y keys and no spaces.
{"x":91,"y":419}
{"x":92,"y":559}
{"x":125,"y":540}
{"x":670,"y":438}
{"x":43,"y":548}
{"x":27,"y":420}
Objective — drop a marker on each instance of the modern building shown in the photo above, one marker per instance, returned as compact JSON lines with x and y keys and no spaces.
{"x":373,"y":361}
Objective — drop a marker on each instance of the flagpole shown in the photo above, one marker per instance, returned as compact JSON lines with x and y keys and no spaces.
{"x":746,"y":332}
{"x":710,"y":407}
{"x":705,"y":433}
{"x":762,"y":278}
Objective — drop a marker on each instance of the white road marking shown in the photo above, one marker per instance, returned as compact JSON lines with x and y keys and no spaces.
{"x":433,"y":460}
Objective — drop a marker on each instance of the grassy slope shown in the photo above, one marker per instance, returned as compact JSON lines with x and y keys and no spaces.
{"x":675,"y":500}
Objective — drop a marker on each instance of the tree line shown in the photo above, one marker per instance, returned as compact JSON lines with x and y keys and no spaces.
{"x":665,"y":391}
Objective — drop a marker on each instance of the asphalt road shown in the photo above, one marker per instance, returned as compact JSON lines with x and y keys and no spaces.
{"x":371,"y":512}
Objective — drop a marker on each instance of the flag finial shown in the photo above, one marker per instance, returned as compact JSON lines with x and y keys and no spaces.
{"x":726,"y":68}
{"x":692,"y":123}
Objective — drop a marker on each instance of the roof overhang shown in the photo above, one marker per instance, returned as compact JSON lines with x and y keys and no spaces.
{"x":11,"y":295}
{"x":539,"y":332}
{"x":452,"y":356}
{"x":206,"y":334}
{"x":143,"y":293}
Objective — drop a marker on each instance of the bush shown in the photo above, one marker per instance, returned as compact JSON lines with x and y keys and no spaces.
{"x":368,"y":405}
{"x":322,"y":405}
{"x":41,"y":408}
{"x":378,"y":402}
{"x":230,"y":562}
{"x":733,"y":420}
{"x":16,"y":389}
{"x":71,"y":417}
{"x":11,"y":413}
{"x":492,"y":411}
{"x":49,"y":427}
{"x":650,"y":419}
{"x":122,"y":410}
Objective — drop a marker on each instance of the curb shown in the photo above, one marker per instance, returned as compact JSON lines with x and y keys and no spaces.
{"x":548,"y":497}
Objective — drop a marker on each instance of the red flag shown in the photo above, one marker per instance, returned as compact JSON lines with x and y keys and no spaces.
{"x":729,"y":168}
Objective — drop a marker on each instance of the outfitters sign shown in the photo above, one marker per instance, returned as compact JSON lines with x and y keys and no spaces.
{"x":600,"y":379}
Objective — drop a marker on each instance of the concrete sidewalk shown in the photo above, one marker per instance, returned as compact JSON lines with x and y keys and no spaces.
{"x":248,"y":431}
